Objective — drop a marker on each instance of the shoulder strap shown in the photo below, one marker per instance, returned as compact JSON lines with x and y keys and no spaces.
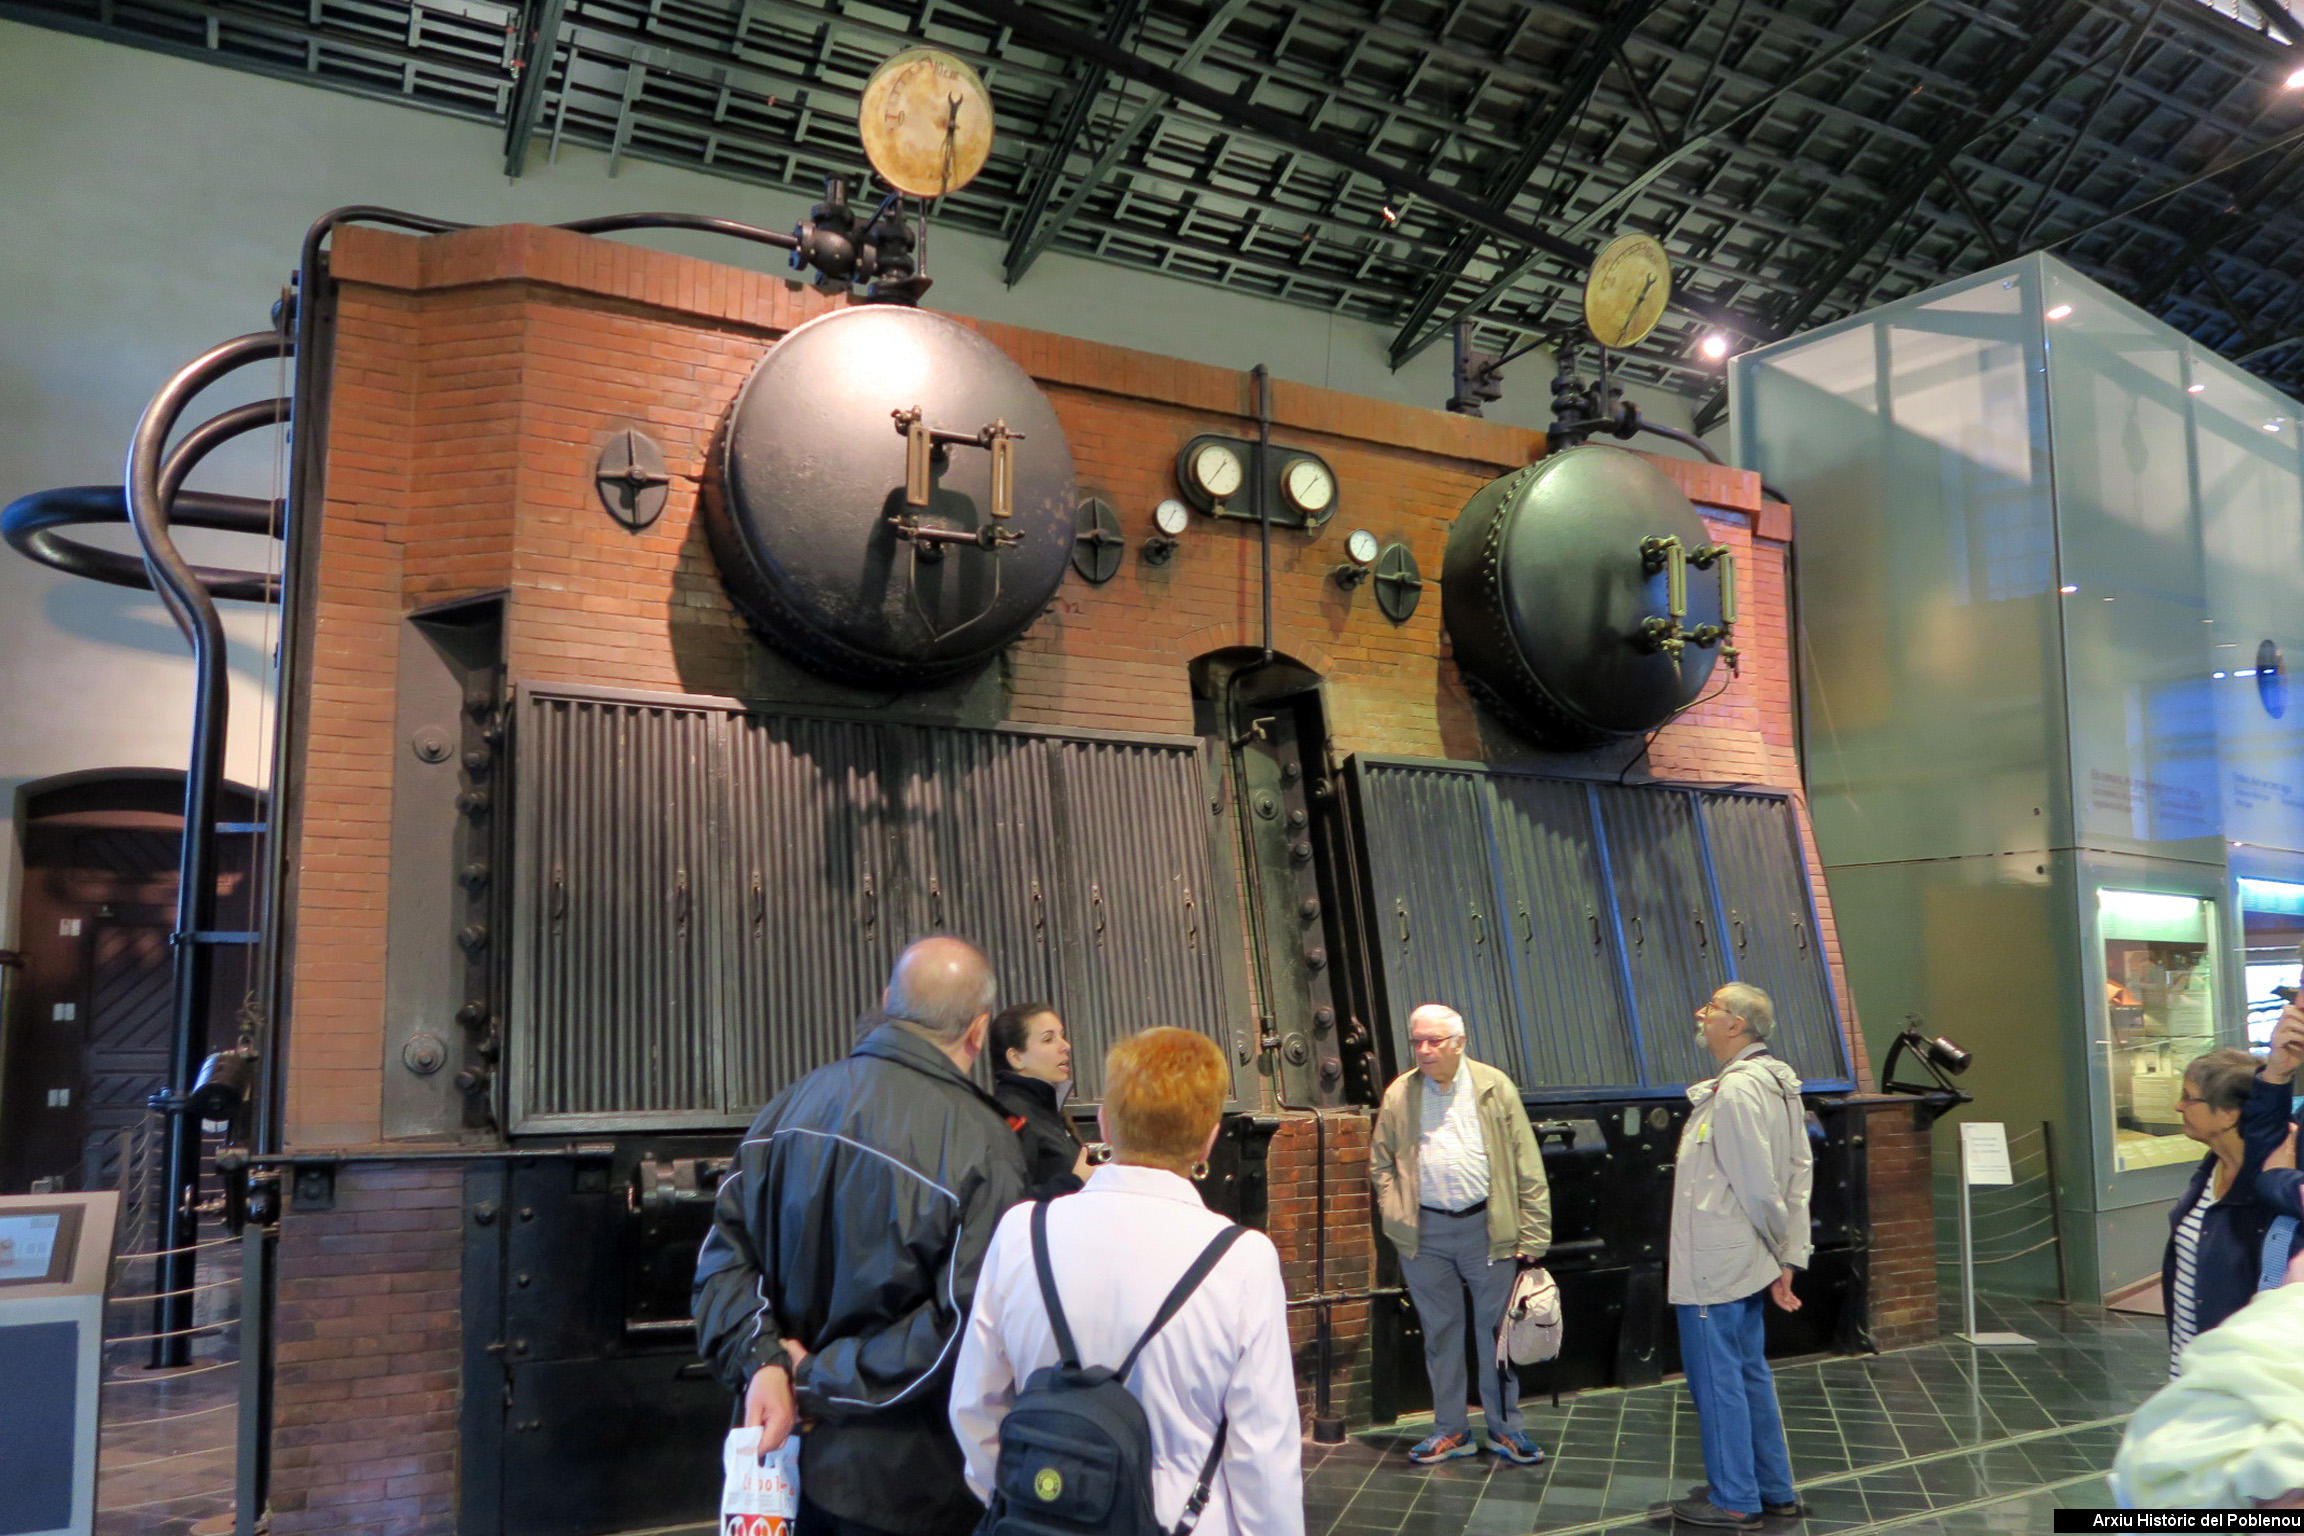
{"x":1200,"y":1490}
{"x":1066,"y":1350}
{"x":1216,"y":1249}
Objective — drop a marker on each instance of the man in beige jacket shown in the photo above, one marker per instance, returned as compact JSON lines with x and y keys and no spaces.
{"x":1460,"y":1191}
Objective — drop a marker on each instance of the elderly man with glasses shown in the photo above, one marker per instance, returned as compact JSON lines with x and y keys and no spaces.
{"x":1461,"y":1192}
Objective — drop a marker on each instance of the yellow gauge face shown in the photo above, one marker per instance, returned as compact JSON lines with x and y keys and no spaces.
{"x":1631,"y":282}
{"x":926,"y":121}
{"x":1309,"y":487}
{"x":1218,"y":470}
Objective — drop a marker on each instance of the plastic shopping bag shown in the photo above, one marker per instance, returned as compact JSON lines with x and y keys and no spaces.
{"x":759,"y":1498}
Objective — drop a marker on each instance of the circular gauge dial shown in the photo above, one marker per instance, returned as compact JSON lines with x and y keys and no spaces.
{"x":1631,"y":282}
{"x":1309,"y":486}
{"x":926,"y":122}
{"x":1361,"y":547}
{"x":1216,"y":469}
{"x":1171,"y":516}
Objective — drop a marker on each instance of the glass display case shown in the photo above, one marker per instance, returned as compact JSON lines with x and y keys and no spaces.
{"x":2160,"y":1006}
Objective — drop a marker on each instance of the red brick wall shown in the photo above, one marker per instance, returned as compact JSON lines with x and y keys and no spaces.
{"x":1294,"y":1172}
{"x":365,"y":1391}
{"x":1899,"y":1165}
{"x":476,"y":377}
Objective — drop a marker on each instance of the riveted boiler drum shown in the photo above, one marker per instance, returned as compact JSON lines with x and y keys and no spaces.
{"x":805,"y":525}
{"x":1547,"y":592}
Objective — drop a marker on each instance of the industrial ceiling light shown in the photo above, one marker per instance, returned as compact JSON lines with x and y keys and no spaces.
{"x":2060,"y":311}
{"x":2195,"y":389}
{"x":1390,"y":212}
{"x":2295,"y":81}
{"x":1714,"y":346}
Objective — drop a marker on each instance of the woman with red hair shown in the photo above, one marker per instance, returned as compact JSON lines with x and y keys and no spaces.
{"x":1115,"y":1250}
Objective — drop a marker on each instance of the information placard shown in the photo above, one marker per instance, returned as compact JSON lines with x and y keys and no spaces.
{"x":1984,"y":1152}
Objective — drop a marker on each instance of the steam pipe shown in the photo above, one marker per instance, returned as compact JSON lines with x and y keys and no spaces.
{"x":29,"y":526}
{"x":150,"y":480}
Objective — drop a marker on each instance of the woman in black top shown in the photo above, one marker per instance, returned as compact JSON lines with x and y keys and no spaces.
{"x":1031,"y":1077}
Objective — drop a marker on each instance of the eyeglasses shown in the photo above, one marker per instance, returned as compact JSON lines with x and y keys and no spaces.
{"x":1420,"y":1041}
{"x":2186,"y":1098}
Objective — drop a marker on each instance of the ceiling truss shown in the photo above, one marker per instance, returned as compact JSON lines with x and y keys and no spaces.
{"x":1801,"y":159}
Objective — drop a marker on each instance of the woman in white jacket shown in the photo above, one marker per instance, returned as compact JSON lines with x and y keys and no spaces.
{"x":1116,"y":1248}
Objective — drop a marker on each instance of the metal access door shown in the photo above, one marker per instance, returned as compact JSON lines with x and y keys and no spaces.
{"x":708,"y":898}
{"x":1576,"y":925}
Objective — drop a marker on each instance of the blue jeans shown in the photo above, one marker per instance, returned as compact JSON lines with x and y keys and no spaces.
{"x":1722,"y":1348}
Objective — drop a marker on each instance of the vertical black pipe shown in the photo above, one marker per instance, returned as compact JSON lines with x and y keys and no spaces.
{"x":195,"y":614}
{"x":1256,"y":489}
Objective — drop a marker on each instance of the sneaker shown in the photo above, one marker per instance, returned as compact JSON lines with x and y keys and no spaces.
{"x":1438,"y":1448}
{"x":1514,"y":1446}
{"x":1789,"y":1509}
{"x":1706,"y":1513}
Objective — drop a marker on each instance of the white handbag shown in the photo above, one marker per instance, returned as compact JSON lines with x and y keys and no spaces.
{"x":1530,"y":1331}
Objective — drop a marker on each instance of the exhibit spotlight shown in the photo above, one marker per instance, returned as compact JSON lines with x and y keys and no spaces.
{"x":1714,"y":346}
{"x":1943,"y":1061}
{"x":2295,"y":81}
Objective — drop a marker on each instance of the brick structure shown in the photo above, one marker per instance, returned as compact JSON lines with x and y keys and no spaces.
{"x":476,"y":376}
{"x":1899,"y":1165}
{"x":366,"y":1386}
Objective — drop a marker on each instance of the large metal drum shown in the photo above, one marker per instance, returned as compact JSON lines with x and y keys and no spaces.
{"x":809,"y":521}
{"x":1552,"y":588}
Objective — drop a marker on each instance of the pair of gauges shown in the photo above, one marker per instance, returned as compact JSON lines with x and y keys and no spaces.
{"x":1213,"y":474}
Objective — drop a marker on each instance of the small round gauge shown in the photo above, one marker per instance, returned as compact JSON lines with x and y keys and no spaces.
{"x":1360,"y":546}
{"x":1171,"y":517}
{"x":1217,"y":470}
{"x":1310,"y":486}
{"x":1631,"y":282}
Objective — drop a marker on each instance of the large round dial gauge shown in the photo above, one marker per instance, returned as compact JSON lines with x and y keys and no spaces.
{"x":926,"y":122}
{"x":1625,"y":296}
{"x":1360,"y":547}
{"x":1171,"y":517}
{"x":1217,"y":470}
{"x":1309,"y":486}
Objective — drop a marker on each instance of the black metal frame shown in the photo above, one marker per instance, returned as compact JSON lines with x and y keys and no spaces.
{"x":1801,"y":159}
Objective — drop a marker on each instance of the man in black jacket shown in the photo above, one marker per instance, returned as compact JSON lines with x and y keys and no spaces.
{"x":844,"y":1250}
{"x":1031,"y":1071}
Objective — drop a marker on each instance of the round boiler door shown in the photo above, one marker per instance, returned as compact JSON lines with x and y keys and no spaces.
{"x":805,"y":525}
{"x":1545,"y":594}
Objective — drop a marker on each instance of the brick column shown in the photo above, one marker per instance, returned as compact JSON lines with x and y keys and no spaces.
{"x":1294,"y":1172}
{"x":366,"y":1388}
{"x":1899,"y":1163}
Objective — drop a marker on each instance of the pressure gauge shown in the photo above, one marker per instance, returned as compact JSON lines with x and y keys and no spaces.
{"x":1310,"y":487}
{"x":1171,"y":517}
{"x":1625,"y":295}
{"x":1217,"y":470}
{"x":1360,"y":547}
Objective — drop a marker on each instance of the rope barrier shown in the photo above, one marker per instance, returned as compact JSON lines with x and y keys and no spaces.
{"x":167,"y":1418}
{"x":162,"y":1253}
{"x":170,"y":1333}
{"x":213,"y":1285}
{"x":168,"y":1374}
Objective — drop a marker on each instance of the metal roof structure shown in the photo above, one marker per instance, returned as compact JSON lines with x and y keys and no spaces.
{"x":1411,"y":162}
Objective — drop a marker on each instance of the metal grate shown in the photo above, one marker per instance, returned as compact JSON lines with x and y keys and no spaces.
{"x":1576,"y":925}
{"x":708,"y":899}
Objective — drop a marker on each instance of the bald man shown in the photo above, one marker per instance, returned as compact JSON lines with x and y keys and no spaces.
{"x":1461,"y":1192}
{"x":844,"y":1250}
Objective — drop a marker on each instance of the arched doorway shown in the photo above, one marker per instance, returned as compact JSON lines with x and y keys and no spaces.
{"x":84,"y":1041}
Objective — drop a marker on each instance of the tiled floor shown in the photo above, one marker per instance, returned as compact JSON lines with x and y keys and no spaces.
{"x":1942,"y":1439}
{"x":1946,"y":1438}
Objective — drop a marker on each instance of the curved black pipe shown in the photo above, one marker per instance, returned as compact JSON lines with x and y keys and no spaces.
{"x":29,"y":525}
{"x":704,"y":223}
{"x":151,"y":478}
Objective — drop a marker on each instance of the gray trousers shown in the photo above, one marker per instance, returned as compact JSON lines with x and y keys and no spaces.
{"x":1452,"y":1259}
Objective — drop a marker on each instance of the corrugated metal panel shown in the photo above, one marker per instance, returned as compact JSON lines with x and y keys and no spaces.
{"x":1139,"y":890}
{"x":1559,"y":918}
{"x":979,"y":848}
{"x":813,"y":927}
{"x":1664,"y":903}
{"x":1771,"y":938}
{"x":616,"y":996}
{"x":1435,"y":910}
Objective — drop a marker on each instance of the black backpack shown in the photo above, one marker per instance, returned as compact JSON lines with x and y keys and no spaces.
{"x":1075,"y":1448}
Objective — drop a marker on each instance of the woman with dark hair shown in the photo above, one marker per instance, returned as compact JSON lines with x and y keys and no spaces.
{"x":1215,"y":1381}
{"x":1032,"y":1077}
{"x":2216,"y":1230}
